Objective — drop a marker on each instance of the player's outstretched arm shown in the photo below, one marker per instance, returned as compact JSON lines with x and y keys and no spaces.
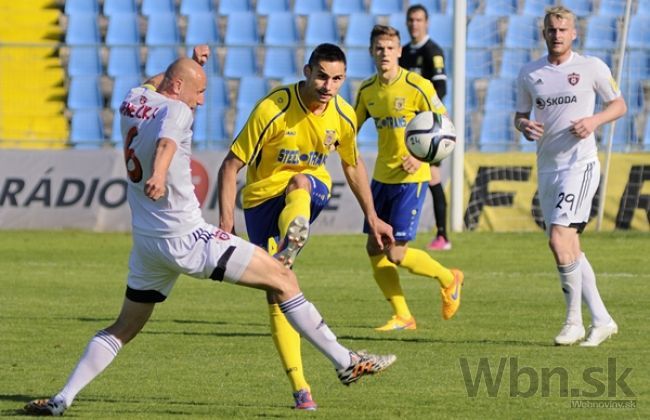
{"x":155,"y":187}
{"x":227,"y":183}
{"x":357,"y":178}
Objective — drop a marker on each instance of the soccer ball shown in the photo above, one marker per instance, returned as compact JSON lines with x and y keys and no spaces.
{"x":430,"y":137}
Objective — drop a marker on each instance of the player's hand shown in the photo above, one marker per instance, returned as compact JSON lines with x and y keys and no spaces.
{"x":410,"y":164}
{"x":155,"y":188}
{"x":382,"y":232}
{"x":532,"y":130}
{"x":583,"y":127}
{"x":200,"y":54}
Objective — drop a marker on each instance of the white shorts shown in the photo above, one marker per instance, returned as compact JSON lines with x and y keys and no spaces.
{"x":566,"y":196}
{"x":206,"y":253}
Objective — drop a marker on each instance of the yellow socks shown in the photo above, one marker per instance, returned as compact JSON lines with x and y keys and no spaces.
{"x":420,"y":263}
{"x":297,"y":203}
{"x":387,"y":278}
{"x":287,"y":342}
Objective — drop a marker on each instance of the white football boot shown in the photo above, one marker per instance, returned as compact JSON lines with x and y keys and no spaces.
{"x":570,"y":334}
{"x":599,"y":334}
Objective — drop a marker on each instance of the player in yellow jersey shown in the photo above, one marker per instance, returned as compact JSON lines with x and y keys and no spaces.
{"x":285,"y":144}
{"x":391,"y":98}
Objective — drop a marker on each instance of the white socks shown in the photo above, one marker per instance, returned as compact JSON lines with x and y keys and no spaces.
{"x":599,"y":314}
{"x":304,"y":318}
{"x":571,"y":282}
{"x":100,"y":352}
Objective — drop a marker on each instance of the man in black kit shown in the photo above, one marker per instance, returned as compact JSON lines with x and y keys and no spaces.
{"x":425,"y":57}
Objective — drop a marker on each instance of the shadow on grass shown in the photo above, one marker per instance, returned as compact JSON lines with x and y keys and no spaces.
{"x":443,"y":341}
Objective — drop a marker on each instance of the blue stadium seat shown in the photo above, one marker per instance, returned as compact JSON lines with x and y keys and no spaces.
{"x":121,"y":86}
{"x":216,"y":94}
{"x":581,"y":8}
{"x":208,"y":127}
{"x":500,"y":95}
{"x":82,"y":29}
{"x":241,"y":116}
{"x":346,"y":7}
{"x":632,"y":90}
{"x":116,"y":133}
{"x":162,"y":30}
{"x":124,"y":61}
{"x":483,"y":32}
{"x":625,"y":137}
{"x":290,"y":80}
{"x":600,"y":32}
{"x":201,"y":29}
{"x":643,"y":9}
{"x":211,"y":67}
{"x":74,"y":7}
{"x":154,"y":7}
{"x":471,"y":102}
{"x":512,"y":61}
{"x":346,"y":93}
{"x":536,"y":8}
{"x":307,"y":7}
{"x":385,"y":7}
{"x":496,"y":132}
{"x":83,"y":93}
{"x":639,"y":32}
{"x":526,"y":146}
{"x":241,"y":29}
{"x":227,"y":7}
{"x":113,"y":7}
{"x":320,"y":28}
{"x":611,"y":8}
{"x":637,"y":64}
{"x":397,"y":21}
{"x":123,"y":30}
{"x":266,"y":7}
{"x":84,"y":61}
{"x":441,"y":30}
{"x":87,"y":129}
{"x":500,"y":7}
{"x":432,"y":6}
{"x":523,"y":32}
{"x":358,"y":30}
{"x":360,"y":64}
{"x":158,"y":59}
{"x":472,"y":7}
{"x":281,"y":29}
{"x":279,"y":62}
{"x":240,"y":62}
{"x":251,"y":89}
{"x":478,"y":63}
{"x":191,"y":7}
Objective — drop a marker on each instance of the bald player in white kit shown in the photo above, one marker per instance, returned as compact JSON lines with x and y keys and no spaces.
{"x":171,"y":238}
{"x":561,"y":88}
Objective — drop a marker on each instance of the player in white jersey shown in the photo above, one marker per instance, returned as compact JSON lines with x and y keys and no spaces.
{"x":560,"y":88}
{"x":171,"y":238}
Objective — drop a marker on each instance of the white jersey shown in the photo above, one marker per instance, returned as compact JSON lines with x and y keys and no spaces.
{"x":147,"y":116}
{"x":560,"y":94}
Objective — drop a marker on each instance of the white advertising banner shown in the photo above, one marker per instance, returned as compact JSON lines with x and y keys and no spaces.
{"x":79,"y":189}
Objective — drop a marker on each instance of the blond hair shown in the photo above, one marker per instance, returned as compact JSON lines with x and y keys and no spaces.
{"x":559,"y":12}
{"x":383,"y":30}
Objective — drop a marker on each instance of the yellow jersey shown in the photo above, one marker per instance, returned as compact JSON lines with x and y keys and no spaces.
{"x":282,"y":137}
{"x":392,"y":106}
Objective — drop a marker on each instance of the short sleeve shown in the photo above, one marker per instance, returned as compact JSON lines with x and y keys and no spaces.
{"x":604,"y":83}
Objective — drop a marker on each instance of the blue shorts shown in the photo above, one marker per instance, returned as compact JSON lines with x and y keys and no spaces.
{"x":400,"y":206}
{"x":262,"y":220}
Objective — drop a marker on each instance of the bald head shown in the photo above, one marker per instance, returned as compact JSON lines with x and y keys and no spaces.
{"x":184,"y":80}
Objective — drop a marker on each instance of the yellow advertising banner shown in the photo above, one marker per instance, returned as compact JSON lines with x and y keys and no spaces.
{"x":501,"y":193}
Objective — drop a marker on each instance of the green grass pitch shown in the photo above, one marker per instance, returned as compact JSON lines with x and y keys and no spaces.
{"x":207,"y":351}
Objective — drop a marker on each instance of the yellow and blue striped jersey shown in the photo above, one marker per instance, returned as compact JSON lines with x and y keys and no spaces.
{"x":282,"y":138}
{"x":392,"y":106}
